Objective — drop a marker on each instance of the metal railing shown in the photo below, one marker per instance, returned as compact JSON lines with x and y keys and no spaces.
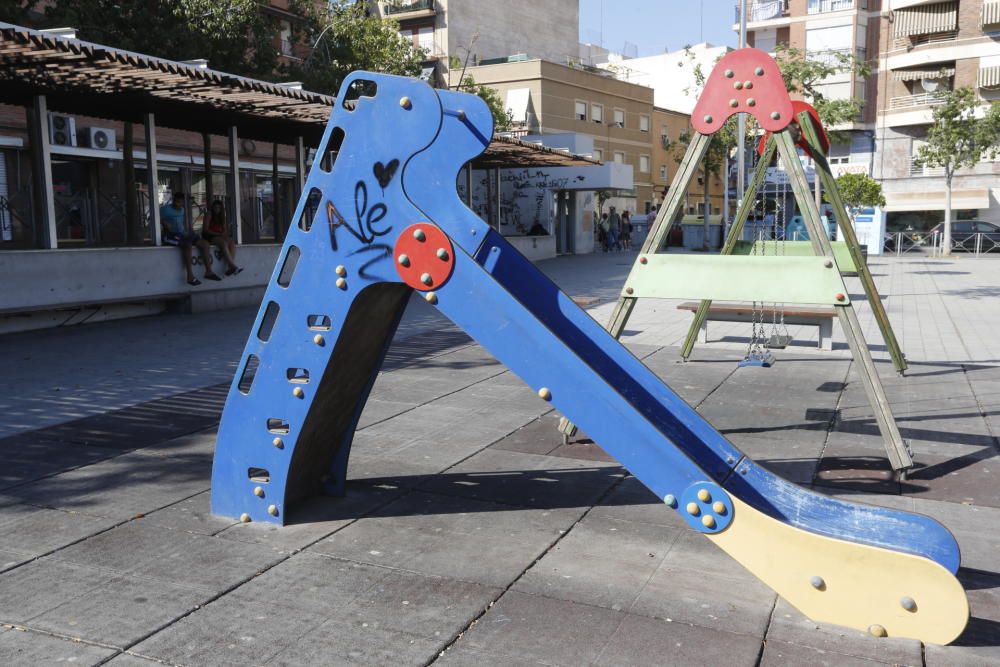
{"x":763,"y":10}
{"x":919,"y":243}
{"x":917,"y":169}
{"x":403,"y":6}
{"x":921,"y":100}
{"x":822,"y":6}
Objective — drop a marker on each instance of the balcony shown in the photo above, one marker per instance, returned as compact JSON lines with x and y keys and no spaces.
{"x":823,"y":6}
{"x":917,"y":169}
{"x":912,"y":101}
{"x":393,"y":7}
{"x":763,"y":10}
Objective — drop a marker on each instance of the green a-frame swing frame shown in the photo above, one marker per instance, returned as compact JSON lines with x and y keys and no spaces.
{"x":775,"y":279}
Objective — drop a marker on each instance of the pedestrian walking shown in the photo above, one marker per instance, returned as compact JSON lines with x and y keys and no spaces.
{"x":627,"y":230}
{"x":614,"y":230}
{"x":602,"y":232}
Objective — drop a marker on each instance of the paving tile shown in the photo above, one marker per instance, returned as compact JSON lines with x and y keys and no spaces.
{"x":790,"y":628}
{"x":120,"y":612}
{"x":451,"y":536}
{"x":338,"y":643}
{"x":740,"y":604}
{"x":42,"y":585}
{"x":522,"y":627}
{"x":228,"y":632}
{"x":527,"y":479}
{"x":119,"y":488}
{"x":129,"y":660}
{"x":197,"y":561}
{"x":34,"y":531}
{"x":645,"y":641}
{"x":312,"y":584}
{"x":603,"y":562}
{"x":978,"y":645}
{"x":777,"y":653}
{"x":193,"y":515}
{"x":18,"y":647}
{"x":973,"y":478}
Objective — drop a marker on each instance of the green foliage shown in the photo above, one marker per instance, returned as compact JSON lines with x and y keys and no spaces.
{"x":860,"y":190}
{"x":234,"y":35}
{"x":344,"y":36}
{"x":503,"y":119}
{"x":957,"y":138}
{"x":804,"y":75}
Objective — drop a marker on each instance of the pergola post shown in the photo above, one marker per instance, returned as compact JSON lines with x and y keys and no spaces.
{"x":206,"y":148}
{"x":300,"y":166}
{"x":496,"y":183}
{"x":234,"y":183}
{"x":41,"y":164}
{"x":152,"y":177}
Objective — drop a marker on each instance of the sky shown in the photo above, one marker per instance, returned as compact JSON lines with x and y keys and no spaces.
{"x":657,"y":25}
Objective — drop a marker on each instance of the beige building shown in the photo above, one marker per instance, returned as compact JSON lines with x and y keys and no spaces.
{"x":929,"y":47}
{"x":549,"y":98}
{"x":669,"y":128}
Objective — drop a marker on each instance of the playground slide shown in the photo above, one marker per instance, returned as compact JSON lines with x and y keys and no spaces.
{"x":390,"y":220}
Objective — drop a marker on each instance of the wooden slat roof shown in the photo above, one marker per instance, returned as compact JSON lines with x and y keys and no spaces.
{"x":89,"y":79}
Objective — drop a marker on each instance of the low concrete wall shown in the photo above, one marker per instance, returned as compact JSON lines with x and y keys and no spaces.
{"x":39,"y":280}
{"x":534,"y":247}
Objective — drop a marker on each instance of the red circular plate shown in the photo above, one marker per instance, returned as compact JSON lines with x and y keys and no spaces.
{"x":424,"y":256}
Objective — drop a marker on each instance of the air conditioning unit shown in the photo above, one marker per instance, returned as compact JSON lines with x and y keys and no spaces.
{"x":101,"y":138}
{"x":62,"y":130}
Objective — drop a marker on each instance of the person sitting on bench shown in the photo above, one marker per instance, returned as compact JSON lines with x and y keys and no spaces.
{"x":215,"y":230}
{"x":175,"y":232}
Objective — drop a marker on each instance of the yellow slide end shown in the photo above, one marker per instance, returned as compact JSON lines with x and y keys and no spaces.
{"x":883,"y":592}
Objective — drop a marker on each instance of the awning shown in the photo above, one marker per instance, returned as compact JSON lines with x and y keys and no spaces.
{"x":100,"y":81}
{"x":991,"y":13}
{"x":517,"y":104}
{"x":989,"y":77}
{"x":917,"y":74}
{"x":934,"y":200}
{"x":926,"y":19}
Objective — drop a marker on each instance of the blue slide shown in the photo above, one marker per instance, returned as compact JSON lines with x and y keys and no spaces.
{"x":390,"y":222}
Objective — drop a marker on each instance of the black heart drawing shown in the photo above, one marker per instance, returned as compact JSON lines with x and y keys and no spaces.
{"x":384,"y":173}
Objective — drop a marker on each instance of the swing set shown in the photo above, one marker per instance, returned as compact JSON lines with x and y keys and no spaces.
{"x":796,"y":273}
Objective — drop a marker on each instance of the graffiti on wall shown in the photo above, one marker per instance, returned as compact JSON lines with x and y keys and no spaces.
{"x":526,"y":196}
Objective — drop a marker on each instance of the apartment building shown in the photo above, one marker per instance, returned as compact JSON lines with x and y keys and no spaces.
{"x":928,"y":48}
{"x":474,"y":31}
{"x":822,"y":29}
{"x":548,"y":98}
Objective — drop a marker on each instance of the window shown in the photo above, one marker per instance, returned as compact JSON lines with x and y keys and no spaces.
{"x":286,"y":38}
{"x":643,"y":123}
{"x":619,"y":157}
{"x":644,"y":164}
{"x":581,"y":111}
{"x":599,"y":155}
{"x":620,"y":117}
{"x":597,"y":113}
{"x":663,"y":172}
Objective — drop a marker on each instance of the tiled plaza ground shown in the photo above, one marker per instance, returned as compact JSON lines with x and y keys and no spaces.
{"x":471,"y":535}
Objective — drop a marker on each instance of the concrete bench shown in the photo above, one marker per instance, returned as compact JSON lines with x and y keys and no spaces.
{"x":816,"y":316}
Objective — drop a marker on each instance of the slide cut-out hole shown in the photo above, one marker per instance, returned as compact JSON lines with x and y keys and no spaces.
{"x":278,"y":426}
{"x":288,"y":267}
{"x":249,"y":373}
{"x":267,"y":323}
{"x":309,"y":209}
{"x":359,"y":88}
{"x":319,"y":322}
{"x":298,"y":375}
{"x":259,"y":475}
{"x":328,"y":156}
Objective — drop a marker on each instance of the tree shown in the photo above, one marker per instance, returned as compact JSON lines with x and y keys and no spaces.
{"x":804,"y":75}
{"x":503,"y":119}
{"x":233,"y":35}
{"x":860,"y":190}
{"x":959,"y":138}
{"x":343,"y":37}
